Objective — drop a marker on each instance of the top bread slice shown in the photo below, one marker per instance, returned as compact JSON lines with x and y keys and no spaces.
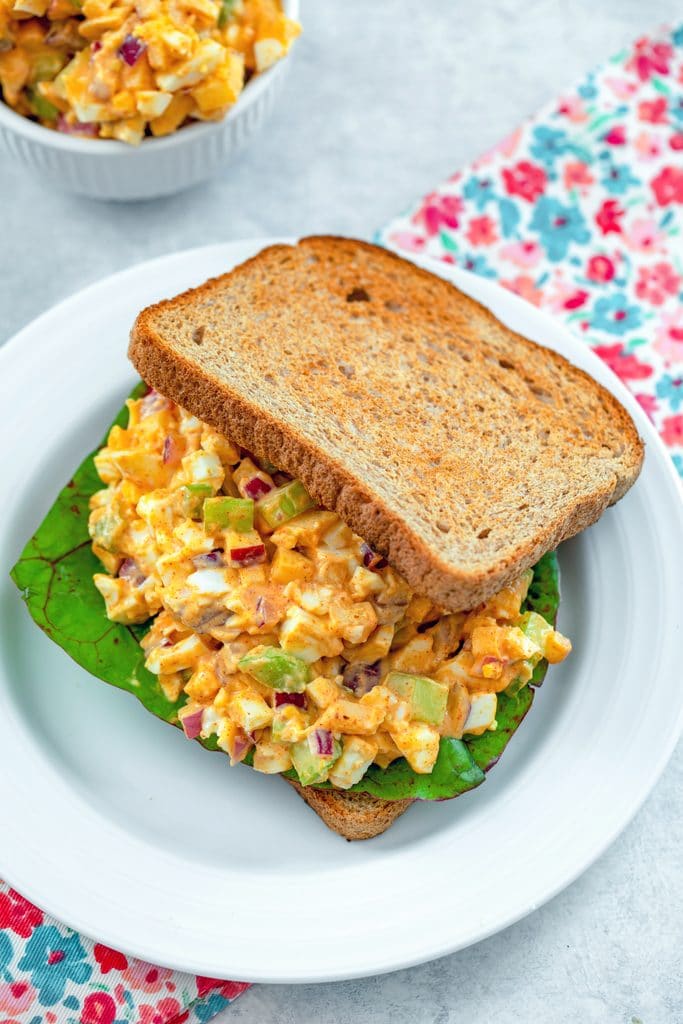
{"x":457,"y":448}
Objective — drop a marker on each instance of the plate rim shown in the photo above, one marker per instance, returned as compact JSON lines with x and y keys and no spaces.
{"x":481,"y":289}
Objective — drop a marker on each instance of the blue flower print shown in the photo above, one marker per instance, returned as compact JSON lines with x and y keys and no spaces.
{"x":676,"y":108}
{"x":479,"y":191}
{"x":615,"y":316}
{"x":6,"y":955}
{"x":678,"y":459}
{"x":208,"y":1008}
{"x":476,"y":265}
{"x":678,"y":36}
{"x":588,"y":89}
{"x":558,"y":227}
{"x":509,"y":217}
{"x":618,"y":179}
{"x":671,"y":390}
{"x":53,"y":960}
{"x":548,"y":144}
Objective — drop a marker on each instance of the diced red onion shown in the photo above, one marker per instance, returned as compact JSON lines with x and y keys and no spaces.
{"x":251,"y":555}
{"x":171,"y":455}
{"x":89,"y":131}
{"x":96,"y":46}
{"x":360,"y":677}
{"x":297,"y":699}
{"x":371,"y":560}
{"x":261,"y":611}
{"x":321,"y":742}
{"x":209,"y":560}
{"x":242,"y":744}
{"x":192,"y":724}
{"x":130,"y":570}
{"x":131,"y":49}
{"x":152,"y":402}
{"x":255,"y":487}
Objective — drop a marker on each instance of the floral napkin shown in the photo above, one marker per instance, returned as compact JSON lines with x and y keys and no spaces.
{"x":51,"y":975}
{"x":579,"y":211}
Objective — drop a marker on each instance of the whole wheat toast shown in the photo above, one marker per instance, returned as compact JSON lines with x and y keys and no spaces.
{"x":460,"y":450}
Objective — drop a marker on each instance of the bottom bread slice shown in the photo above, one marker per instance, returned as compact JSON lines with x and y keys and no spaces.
{"x":352,"y":815}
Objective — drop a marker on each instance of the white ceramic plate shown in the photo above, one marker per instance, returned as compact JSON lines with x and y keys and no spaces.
{"x":118,"y":826}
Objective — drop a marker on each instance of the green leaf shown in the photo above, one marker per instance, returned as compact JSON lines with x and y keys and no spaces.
{"x":54,"y":574}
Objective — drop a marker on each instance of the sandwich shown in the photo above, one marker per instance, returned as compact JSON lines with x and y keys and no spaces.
{"x":320,"y":536}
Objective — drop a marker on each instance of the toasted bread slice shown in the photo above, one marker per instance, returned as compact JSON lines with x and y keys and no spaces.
{"x":458,"y":449}
{"x":352,"y":815}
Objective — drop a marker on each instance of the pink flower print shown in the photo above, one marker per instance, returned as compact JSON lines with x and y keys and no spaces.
{"x":98,"y":1008}
{"x":522,"y":254}
{"x":600,"y":269}
{"x":648,"y":403}
{"x":524,"y":286}
{"x":482,"y":231}
{"x":672,"y":430}
{"x":505,"y":148}
{"x":649,"y":58}
{"x":205,"y":985}
{"x":577,"y":175}
{"x":146,"y":977}
{"x":622,"y":87}
{"x":609,"y":216}
{"x":17,"y":997}
{"x":653,"y":111}
{"x":232,"y":989}
{"x":616,"y":136}
{"x":648,"y":146}
{"x":109,"y":959}
{"x":623,"y":363}
{"x":668,"y":186}
{"x":18,"y":915}
{"x":525,"y":180}
{"x":565,"y":296}
{"x":676,"y":141}
{"x":669,"y":336}
{"x":656,"y":283}
{"x":573,"y":109}
{"x":408,"y":241}
{"x":439,"y":211}
{"x":165,"y":1011}
{"x":643,"y":236}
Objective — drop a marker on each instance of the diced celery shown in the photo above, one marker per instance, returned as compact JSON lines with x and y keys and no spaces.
{"x":229,"y":514}
{"x":41,"y":107}
{"x":193,"y":498}
{"x":226,"y":12}
{"x":312,"y":768}
{"x":283,"y":504}
{"x":426,"y":697}
{"x":275,"y":667}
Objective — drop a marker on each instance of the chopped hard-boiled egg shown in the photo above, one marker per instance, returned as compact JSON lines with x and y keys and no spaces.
{"x":291,"y":641}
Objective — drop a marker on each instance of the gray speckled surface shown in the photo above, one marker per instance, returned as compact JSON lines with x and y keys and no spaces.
{"x":383,"y":100}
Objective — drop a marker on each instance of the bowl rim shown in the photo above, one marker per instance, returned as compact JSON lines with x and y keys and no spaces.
{"x":37,"y":133}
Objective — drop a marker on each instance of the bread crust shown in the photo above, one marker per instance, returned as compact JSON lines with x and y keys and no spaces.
{"x":352,"y":815}
{"x":171,"y":367}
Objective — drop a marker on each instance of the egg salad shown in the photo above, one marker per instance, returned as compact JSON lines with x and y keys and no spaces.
{"x":294,"y":643}
{"x":121,"y":69}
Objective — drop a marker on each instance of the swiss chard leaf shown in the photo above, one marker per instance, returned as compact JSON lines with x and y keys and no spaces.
{"x":54,"y":574}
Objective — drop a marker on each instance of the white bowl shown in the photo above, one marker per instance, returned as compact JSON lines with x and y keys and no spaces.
{"x":106,"y":169}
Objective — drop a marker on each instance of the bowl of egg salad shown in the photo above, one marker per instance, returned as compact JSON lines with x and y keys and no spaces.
{"x":133,"y":99}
